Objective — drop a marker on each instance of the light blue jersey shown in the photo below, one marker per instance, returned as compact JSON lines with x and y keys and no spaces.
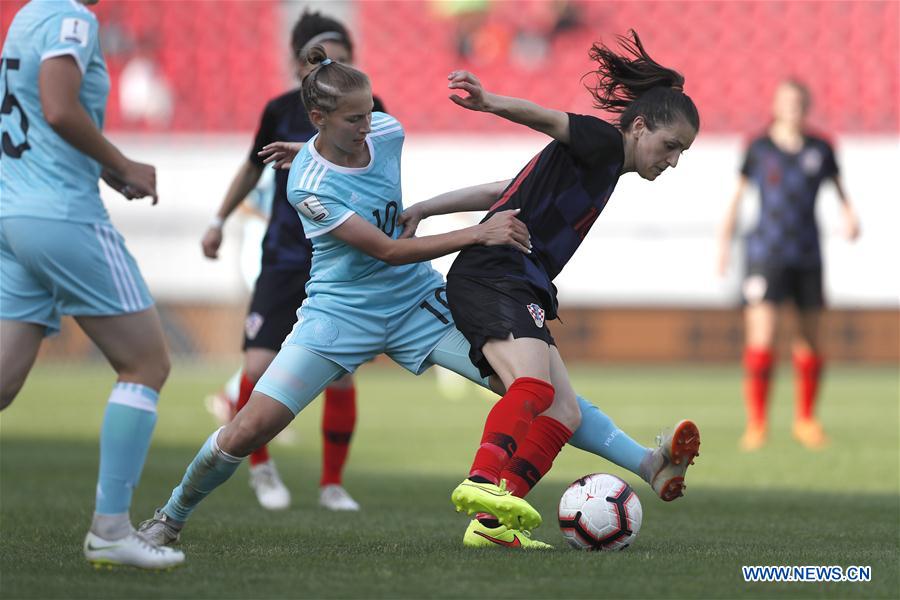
{"x":326,"y":195}
{"x":43,"y":175}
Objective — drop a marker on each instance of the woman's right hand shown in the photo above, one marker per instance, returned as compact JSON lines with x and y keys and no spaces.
{"x":211,"y":241}
{"x":505,"y":229}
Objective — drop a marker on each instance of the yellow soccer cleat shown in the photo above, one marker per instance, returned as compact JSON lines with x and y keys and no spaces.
{"x":480,"y":536}
{"x":472,"y":497}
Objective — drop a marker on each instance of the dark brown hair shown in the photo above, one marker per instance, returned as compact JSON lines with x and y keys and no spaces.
{"x":323,"y":87}
{"x":312,"y":24}
{"x":632,"y":84}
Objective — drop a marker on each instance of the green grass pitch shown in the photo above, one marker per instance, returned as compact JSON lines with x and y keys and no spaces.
{"x":781,"y":506}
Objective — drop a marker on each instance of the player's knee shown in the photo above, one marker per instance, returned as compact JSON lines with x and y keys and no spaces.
{"x":246,"y":433}
{"x":565,"y":409}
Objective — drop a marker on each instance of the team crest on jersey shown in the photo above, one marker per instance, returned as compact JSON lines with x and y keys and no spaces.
{"x":811,"y":161}
{"x":75,"y":31}
{"x":313,"y":208}
{"x":252,"y":324}
{"x":537,"y":313}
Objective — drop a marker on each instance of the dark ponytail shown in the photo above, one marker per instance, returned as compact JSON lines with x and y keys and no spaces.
{"x":328,"y":81}
{"x":633,"y":84}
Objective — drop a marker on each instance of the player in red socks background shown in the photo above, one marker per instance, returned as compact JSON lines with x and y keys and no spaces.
{"x":784,"y":260}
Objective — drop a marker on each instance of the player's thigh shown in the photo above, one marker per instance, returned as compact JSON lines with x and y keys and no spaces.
{"x":513,"y":358}
{"x":133,"y":343}
{"x":452,"y":353}
{"x":760,"y":323}
{"x":297,"y":376}
{"x":19,"y":345}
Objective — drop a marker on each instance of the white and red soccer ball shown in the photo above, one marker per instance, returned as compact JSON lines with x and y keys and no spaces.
{"x":600,"y":512}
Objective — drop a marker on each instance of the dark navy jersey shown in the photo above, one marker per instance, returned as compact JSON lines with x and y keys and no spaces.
{"x":284,"y":119}
{"x":561,"y":193}
{"x":787,"y":233}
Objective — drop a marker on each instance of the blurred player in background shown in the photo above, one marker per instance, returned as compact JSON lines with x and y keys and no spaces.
{"x":61,"y":255}
{"x":280,"y":288}
{"x":502,"y":300}
{"x":360,"y":305}
{"x":784,"y":259}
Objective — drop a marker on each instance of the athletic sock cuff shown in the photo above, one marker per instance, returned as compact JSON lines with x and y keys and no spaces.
{"x":541,"y":391}
{"x":134,"y":395}
{"x":216,"y":448}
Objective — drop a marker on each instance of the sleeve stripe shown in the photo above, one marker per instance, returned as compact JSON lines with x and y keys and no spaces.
{"x":308,"y":174}
{"x":324,"y":230}
{"x":64,"y":52}
{"x":384,"y":123}
{"x":385,"y":131}
{"x":315,"y":186}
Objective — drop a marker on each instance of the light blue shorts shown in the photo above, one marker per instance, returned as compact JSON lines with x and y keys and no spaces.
{"x":351,"y":336}
{"x":50,"y":268}
{"x":330,"y":340}
{"x":298,"y":375}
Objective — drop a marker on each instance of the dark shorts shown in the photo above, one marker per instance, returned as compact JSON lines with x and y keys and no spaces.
{"x":777,"y":283}
{"x":485,"y":309}
{"x":277,"y":295}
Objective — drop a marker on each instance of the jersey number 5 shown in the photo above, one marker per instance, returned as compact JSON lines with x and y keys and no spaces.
{"x":9,"y":103}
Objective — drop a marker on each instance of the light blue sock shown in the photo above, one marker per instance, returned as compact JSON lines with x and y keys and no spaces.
{"x":124,"y":440}
{"x":599,"y":435}
{"x":209,"y":469}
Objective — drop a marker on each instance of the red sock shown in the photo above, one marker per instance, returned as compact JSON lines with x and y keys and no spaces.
{"x":545,"y":439}
{"x":507,"y":425}
{"x":338,"y":420}
{"x":807,"y":372}
{"x":261,"y":454}
{"x":757,"y":374}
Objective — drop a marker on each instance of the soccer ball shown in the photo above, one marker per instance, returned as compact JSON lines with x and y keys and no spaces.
{"x":600,"y":512}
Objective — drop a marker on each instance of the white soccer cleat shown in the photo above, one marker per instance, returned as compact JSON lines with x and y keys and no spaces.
{"x":131,"y":551}
{"x":160,"y":530}
{"x":676,"y":452}
{"x":335,"y":497}
{"x":270,"y":490}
